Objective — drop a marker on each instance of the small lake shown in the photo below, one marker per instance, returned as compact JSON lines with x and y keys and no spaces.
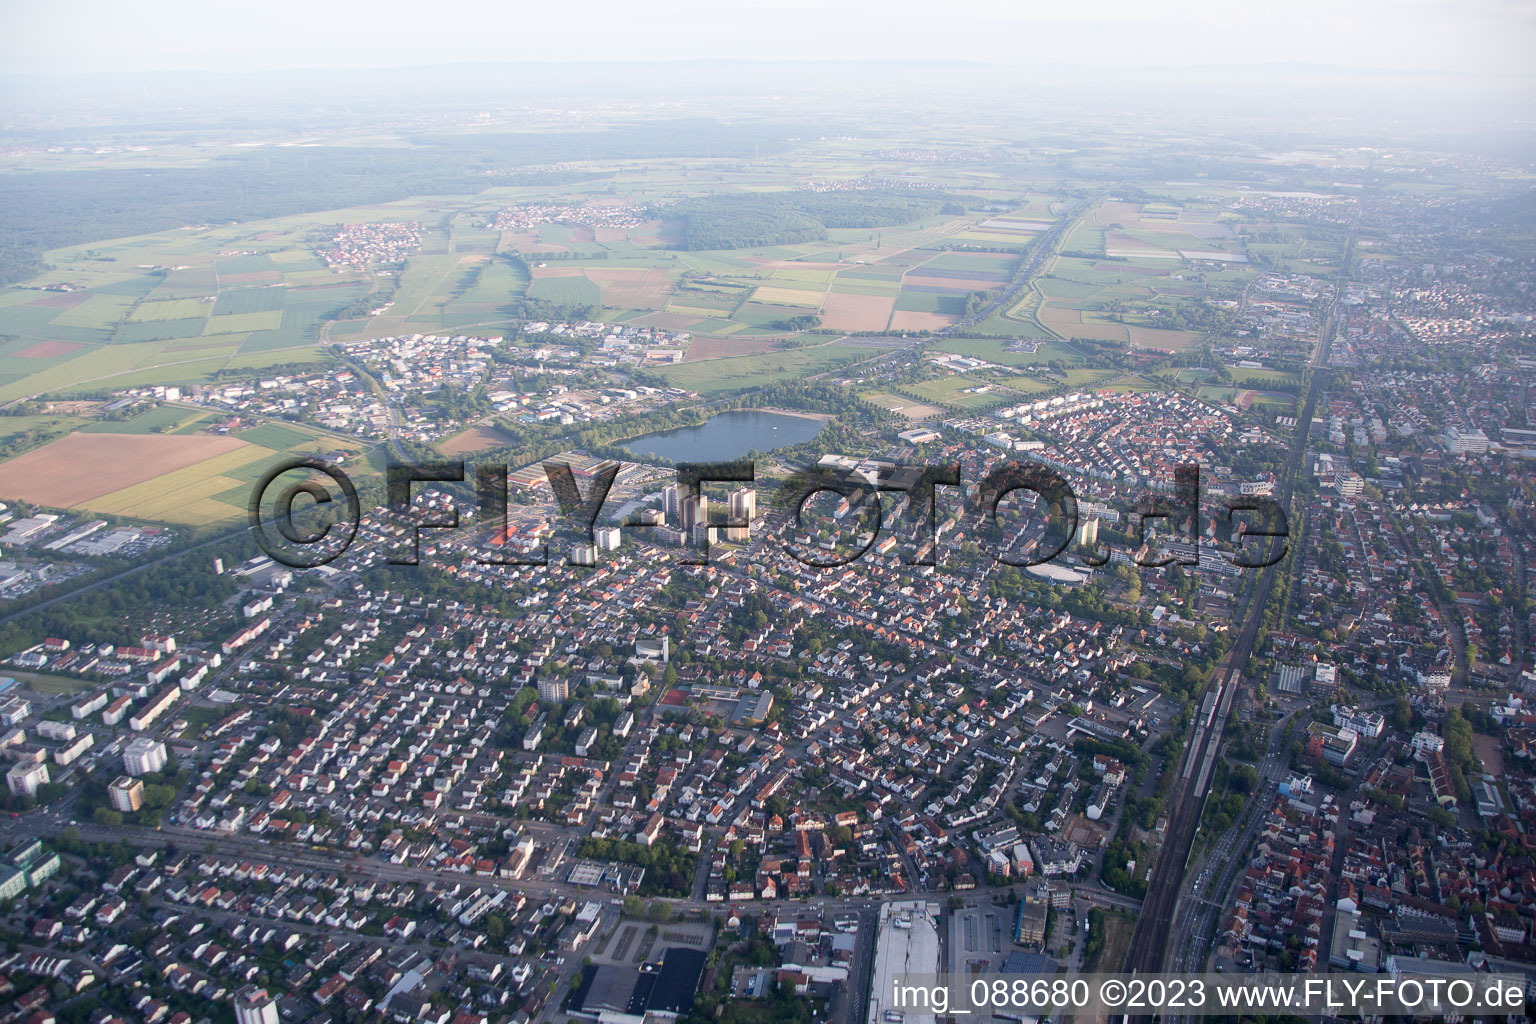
{"x":726,"y":436}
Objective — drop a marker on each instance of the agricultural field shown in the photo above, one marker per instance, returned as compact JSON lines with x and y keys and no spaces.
{"x":457,"y":293}
{"x":194,"y":305}
{"x":850,"y":311}
{"x":1009,"y":230}
{"x":1126,"y":299}
{"x":875,"y":280}
{"x":576,"y":291}
{"x":718,"y":347}
{"x":718,"y":376}
{"x":155,"y":467}
{"x":165,"y":419}
{"x":851,"y":281}
{"x":176,"y":307}
{"x":1164,"y":231}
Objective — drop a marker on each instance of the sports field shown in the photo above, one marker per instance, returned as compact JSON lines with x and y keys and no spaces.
{"x":900,"y":404}
{"x":1245,"y":377}
{"x":963,"y":393}
{"x":475,"y":439}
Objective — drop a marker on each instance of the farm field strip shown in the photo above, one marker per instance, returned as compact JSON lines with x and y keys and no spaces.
{"x":79,"y":468}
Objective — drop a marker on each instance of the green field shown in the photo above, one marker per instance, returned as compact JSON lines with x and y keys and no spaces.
{"x":15,"y":428}
{"x":715,"y":302}
{"x":244,"y":264}
{"x":717,"y":376}
{"x":952,"y":391}
{"x":930,"y":302}
{"x":277,"y":436}
{"x":1005,"y":263}
{"x":996,"y":352}
{"x":39,"y":682}
{"x":303,"y":355}
{"x":866,"y":286}
{"x":1245,"y":377}
{"x":303,"y":312}
{"x":248,"y":300}
{"x":158,"y":330}
{"x":198,"y":718}
{"x":1130,"y":383}
{"x":244,"y":323}
{"x":758,"y":314}
{"x":498,"y":282}
{"x":568,"y":291}
{"x":1082,"y":377}
{"x":171,"y":309}
{"x":185,"y":282}
{"x":872,"y":273}
{"x":100,"y":312}
{"x":164,"y":419}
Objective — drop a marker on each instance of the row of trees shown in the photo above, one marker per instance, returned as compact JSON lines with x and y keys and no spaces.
{"x":668,"y":870}
{"x":114,"y":614}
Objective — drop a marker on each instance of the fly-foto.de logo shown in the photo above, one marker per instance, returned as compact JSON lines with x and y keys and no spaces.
{"x":294,"y":489}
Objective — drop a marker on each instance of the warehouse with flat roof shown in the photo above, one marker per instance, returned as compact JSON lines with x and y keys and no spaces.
{"x":908,"y":944}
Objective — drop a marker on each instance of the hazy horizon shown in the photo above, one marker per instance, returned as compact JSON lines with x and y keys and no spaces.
{"x":1483,"y":37}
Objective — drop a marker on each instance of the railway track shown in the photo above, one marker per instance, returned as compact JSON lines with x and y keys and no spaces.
{"x":1150,"y":944}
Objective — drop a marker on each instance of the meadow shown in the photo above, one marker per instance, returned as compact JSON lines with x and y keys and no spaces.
{"x":718,"y":376}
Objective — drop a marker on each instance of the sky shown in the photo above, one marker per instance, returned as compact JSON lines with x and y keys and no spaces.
{"x":73,"y":36}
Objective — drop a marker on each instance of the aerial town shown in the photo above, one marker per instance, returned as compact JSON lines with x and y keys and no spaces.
{"x":739,"y":566}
